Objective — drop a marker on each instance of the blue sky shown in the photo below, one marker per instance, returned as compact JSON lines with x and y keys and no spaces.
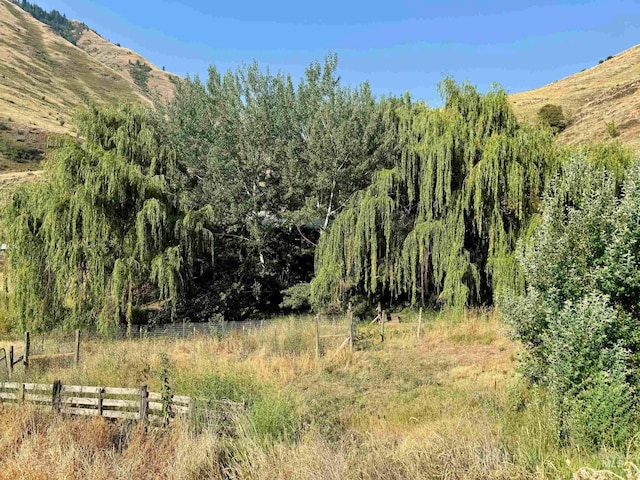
{"x":397,"y":46}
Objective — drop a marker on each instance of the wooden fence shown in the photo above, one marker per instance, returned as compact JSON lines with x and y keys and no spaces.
{"x":351,"y":336}
{"x":27,"y":357}
{"x":109,"y":402}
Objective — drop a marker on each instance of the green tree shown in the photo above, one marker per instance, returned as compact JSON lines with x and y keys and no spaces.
{"x":67,"y":29}
{"x":553,"y":116}
{"x":105,"y":230}
{"x":279,"y":162}
{"x":442,"y":224}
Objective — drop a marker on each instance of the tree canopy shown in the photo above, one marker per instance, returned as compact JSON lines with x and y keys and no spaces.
{"x":278,"y":161}
{"x":441,"y":225}
{"x":105,"y":230}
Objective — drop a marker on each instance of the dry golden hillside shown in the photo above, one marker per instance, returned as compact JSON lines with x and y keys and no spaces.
{"x":122,"y":60}
{"x":44,"y":78}
{"x":592,"y":98}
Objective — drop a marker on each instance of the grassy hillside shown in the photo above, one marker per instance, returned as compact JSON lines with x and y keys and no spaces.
{"x":606,"y":93}
{"x":124,"y":61}
{"x":44,"y":77}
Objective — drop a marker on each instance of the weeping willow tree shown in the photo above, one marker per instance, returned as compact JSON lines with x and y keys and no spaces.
{"x":104,"y":231}
{"x":441,"y":226}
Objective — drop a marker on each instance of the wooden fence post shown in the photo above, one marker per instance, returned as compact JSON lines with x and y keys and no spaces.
{"x":351,"y":329}
{"x":56,"y":398}
{"x":100,"y":399}
{"x":22,"y":393}
{"x":144,"y":403}
{"x":318,"y":337}
{"x":27,"y":346}
{"x":419,"y":323}
{"x":383,"y":318}
{"x":11,"y":361}
{"x":77,"y":352}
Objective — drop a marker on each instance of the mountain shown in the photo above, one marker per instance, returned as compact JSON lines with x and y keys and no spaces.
{"x":48,"y":71}
{"x":607,"y":93}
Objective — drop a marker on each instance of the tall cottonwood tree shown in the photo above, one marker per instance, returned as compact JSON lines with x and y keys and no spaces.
{"x":278,"y":161}
{"x":441,"y":225}
{"x":105,"y":230}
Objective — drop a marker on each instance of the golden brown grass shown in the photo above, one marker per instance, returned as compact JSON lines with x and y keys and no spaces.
{"x":117,"y":58}
{"x":447,"y":405}
{"x":607,"y":92}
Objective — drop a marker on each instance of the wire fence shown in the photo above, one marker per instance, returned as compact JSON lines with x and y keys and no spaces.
{"x":184,"y":329}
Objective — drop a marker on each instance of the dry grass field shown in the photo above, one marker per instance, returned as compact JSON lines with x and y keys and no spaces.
{"x":608,"y":92}
{"x":448,"y":405}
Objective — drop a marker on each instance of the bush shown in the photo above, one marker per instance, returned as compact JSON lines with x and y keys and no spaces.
{"x":297,"y":297}
{"x":553,"y":116}
{"x":591,"y":371}
{"x":578,"y":317}
{"x":140,"y":74}
{"x":604,"y":413}
{"x":612,"y":130}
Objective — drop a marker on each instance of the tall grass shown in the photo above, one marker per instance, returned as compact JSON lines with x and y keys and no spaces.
{"x":447,"y":405}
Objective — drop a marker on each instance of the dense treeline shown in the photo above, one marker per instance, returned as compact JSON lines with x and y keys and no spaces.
{"x":58,"y":21}
{"x":247,"y":168}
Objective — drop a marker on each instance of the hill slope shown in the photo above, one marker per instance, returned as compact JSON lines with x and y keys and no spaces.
{"x":607,"y":92}
{"x":159,"y":84}
{"x":44,"y":78}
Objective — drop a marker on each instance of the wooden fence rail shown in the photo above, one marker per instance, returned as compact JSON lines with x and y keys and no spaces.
{"x":27,"y":357}
{"x":109,"y":402}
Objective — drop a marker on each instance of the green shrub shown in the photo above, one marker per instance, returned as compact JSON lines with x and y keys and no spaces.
{"x":604,"y":413}
{"x":619,"y":272}
{"x":140,"y":74}
{"x":553,"y":116}
{"x":612,"y":130}
{"x":18,"y":153}
{"x":578,"y":317}
{"x":297,"y":297}
{"x":588,"y":348}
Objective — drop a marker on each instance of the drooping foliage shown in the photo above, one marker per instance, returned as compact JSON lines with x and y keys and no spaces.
{"x":442,"y":224}
{"x":104,"y":231}
{"x":278,"y":161}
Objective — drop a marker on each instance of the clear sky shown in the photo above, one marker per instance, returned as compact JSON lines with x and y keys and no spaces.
{"x":405,"y":45}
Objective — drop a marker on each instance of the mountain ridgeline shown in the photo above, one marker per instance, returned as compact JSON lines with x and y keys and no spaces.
{"x":51,"y":66}
{"x":59,"y":22}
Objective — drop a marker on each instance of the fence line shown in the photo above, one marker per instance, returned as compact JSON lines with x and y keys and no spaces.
{"x":110,"y":402}
{"x":180,"y":330}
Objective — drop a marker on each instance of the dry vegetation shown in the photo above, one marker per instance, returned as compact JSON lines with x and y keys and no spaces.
{"x":118,"y":58}
{"x":446,"y":406}
{"x":44,"y":78}
{"x":605,"y":93}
